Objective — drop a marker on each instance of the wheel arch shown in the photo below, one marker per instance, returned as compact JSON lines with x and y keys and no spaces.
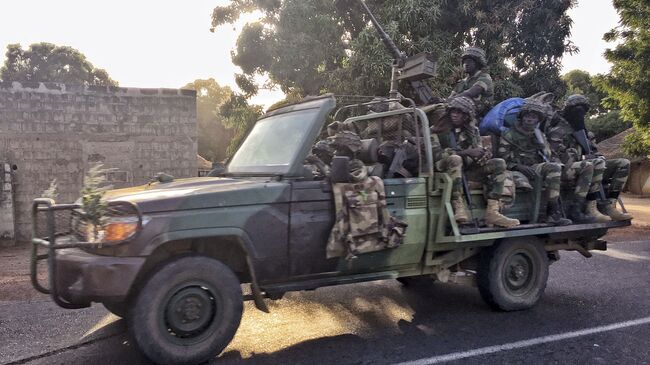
{"x":230,"y":246}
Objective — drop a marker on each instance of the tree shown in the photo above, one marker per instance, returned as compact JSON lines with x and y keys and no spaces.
{"x":240,"y":118}
{"x":628,"y":83}
{"x":581,"y":82}
{"x":214,"y":137}
{"x":46,"y":62}
{"x":314,"y":46}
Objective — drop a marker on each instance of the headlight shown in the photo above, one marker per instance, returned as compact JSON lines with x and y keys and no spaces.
{"x":115,"y":229}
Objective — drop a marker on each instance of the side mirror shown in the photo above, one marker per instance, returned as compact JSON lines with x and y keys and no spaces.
{"x":340,"y":171}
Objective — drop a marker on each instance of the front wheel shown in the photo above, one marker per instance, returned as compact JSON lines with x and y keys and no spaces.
{"x":187,"y":312}
{"x":513,"y":274}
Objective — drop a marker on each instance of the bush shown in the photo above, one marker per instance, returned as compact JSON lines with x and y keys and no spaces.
{"x":607,"y":125}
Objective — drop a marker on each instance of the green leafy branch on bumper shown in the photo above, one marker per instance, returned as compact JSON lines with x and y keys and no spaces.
{"x":94,"y":207}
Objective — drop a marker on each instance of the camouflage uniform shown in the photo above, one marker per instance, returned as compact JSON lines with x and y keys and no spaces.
{"x":521,"y":150}
{"x":611,"y":174}
{"x":490,"y":171}
{"x":567,"y":151}
{"x":481,"y":78}
{"x":518,"y":148}
{"x":362,"y":223}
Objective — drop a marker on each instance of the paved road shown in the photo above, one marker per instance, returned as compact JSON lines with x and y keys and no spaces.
{"x":385,"y":323}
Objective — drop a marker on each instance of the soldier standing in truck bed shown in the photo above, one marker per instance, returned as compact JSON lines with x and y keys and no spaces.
{"x":468,"y":154}
{"x":611,"y":173}
{"x":478,"y":84}
{"x":520,"y":147}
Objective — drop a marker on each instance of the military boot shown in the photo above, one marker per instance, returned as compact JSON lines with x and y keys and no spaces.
{"x":494,"y":218}
{"x":576,"y":213}
{"x":554,"y":214}
{"x":460,"y":210}
{"x":610,"y":209}
{"x":592,"y":210}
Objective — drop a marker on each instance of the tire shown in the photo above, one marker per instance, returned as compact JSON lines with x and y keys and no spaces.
{"x":187,"y":312}
{"x":513,"y":274}
{"x":118,"y":309}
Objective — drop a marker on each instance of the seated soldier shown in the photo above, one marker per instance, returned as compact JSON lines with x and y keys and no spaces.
{"x":478,"y":84}
{"x":460,"y":149}
{"x":523,"y":152}
{"x":567,"y":136}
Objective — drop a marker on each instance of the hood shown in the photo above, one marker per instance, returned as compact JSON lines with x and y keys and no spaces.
{"x":200,"y":193}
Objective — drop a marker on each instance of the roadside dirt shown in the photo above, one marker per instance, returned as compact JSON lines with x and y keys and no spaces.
{"x":15,"y":282}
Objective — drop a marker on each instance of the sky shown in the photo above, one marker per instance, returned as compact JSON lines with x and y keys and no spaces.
{"x":147,"y":43}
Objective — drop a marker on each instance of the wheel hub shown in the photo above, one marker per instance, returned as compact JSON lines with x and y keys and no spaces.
{"x":190,"y":311}
{"x":518,"y":273}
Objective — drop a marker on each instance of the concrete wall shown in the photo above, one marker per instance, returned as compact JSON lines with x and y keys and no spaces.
{"x":639,"y":181}
{"x":57,"y":131}
{"x":7,"y":223}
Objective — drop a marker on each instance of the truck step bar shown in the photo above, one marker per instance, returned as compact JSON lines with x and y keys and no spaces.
{"x":273,"y":289}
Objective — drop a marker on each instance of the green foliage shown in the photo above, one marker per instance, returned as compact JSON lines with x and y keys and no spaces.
{"x":628,"y":83}
{"x":581,"y":82}
{"x":214,"y":137}
{"x":637,"y":143}
{"x":606,"y":125}
{"x":309,"y":47}
{"x":51,"y":191}
{"x":92,"y":204}
{"x":240,"y":118}
{"x":46,"y":62}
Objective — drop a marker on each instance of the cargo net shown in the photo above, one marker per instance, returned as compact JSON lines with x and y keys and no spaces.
{"x":73,"y":224}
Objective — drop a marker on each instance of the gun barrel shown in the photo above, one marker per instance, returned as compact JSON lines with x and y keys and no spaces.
{"x":385,"y":38}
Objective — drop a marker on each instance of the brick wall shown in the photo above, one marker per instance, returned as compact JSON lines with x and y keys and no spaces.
{"x":7,"y":234}
{"x":57,"y":131}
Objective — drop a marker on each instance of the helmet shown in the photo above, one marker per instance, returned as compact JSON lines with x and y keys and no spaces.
{"x":575,"y":100}
{"x":464,"y":104}
{"x":345,"y":141}
{"x":477,"y":54}
{"x":534,"y":106}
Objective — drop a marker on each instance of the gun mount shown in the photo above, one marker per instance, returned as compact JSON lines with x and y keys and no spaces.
{"x":413,"y":69}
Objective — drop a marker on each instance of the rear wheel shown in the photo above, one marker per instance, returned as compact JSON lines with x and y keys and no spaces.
{"x":513,"y":274}
{"x":187,"y":312}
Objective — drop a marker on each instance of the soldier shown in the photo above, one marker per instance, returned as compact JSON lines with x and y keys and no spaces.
{"x":568,"y":135}
{"x":467,"y":153}
{"x":520,"y":147}
{"x":478,"y":84}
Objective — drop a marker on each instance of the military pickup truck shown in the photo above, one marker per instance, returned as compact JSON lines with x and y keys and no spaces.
{"x":174,"y":257}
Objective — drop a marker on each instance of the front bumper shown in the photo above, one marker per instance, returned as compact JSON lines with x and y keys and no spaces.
{"x":82,"y":277}
{"x":75,"y":277}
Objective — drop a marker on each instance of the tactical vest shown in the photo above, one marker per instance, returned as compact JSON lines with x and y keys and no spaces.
{"x":362,"y":222}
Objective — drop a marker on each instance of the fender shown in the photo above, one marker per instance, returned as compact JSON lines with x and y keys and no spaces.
{"x":243,"y":240}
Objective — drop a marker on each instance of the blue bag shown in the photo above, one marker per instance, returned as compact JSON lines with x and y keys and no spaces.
{"x":502,"y":117}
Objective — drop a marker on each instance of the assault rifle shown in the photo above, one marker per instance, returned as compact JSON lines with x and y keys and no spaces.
{"x":466,"y":190}
{"x":413,"y":69}
{"x":581,"y":138}
{"x":540,"y":140}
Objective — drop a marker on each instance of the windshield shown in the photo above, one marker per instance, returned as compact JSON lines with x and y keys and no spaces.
{"x":273,"y":144}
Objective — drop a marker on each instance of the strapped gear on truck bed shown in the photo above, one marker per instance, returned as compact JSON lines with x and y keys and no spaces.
{"x":362,"y":222}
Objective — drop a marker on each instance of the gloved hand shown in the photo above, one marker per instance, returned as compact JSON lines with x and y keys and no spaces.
{"x":528,"y":171}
